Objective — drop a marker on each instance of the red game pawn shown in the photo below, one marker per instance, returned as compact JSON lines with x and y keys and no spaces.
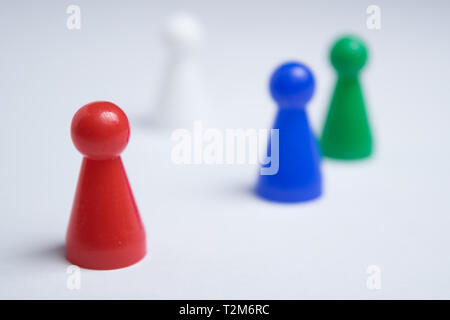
{"x":105,"y":229}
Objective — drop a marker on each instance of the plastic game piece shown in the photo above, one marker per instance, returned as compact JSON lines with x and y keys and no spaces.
{"x":346,"y":134}
{"x":105,"y":230}
{"x":182,"y":96}
{"x":299,"y":174}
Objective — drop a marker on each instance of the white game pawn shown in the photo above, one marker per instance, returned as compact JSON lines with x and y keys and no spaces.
{"x":181,"y":99}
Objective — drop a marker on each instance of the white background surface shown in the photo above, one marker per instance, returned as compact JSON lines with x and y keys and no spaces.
{"x":208,"y":235}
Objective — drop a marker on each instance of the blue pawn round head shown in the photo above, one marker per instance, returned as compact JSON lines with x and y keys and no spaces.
{"x":292,"y":85}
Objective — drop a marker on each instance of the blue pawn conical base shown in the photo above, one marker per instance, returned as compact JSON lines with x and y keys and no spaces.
{"x":298,"y":177}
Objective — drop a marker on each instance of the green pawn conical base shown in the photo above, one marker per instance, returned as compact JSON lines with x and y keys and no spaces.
{"x":346,"y":134}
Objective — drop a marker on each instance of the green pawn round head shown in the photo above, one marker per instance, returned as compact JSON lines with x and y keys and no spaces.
{"x":348,"y":55}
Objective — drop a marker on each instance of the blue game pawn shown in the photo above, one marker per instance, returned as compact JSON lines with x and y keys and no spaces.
{"x":299,"y":176}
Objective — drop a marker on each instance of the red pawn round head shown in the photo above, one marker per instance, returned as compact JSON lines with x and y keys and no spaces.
{"x":100,"y":130}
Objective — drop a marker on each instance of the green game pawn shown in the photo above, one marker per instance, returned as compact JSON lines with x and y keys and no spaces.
{"x":346,"y":134}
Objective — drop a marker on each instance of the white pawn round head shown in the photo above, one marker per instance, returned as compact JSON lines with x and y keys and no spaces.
{"x":183,"y":33}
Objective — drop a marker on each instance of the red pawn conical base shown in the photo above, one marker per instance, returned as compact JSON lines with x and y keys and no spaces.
{"x":105,"y":230}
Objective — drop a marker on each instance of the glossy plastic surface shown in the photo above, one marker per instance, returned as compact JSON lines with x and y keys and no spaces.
{"x":299,"y":175}
{"x":105,"y":230}
{"x":346,"y":134}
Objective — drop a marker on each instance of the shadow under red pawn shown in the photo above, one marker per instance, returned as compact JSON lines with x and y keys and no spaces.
{"x":105,"y":229}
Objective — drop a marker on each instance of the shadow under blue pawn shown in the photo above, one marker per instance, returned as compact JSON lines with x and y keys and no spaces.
{"x":299,"y":176}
